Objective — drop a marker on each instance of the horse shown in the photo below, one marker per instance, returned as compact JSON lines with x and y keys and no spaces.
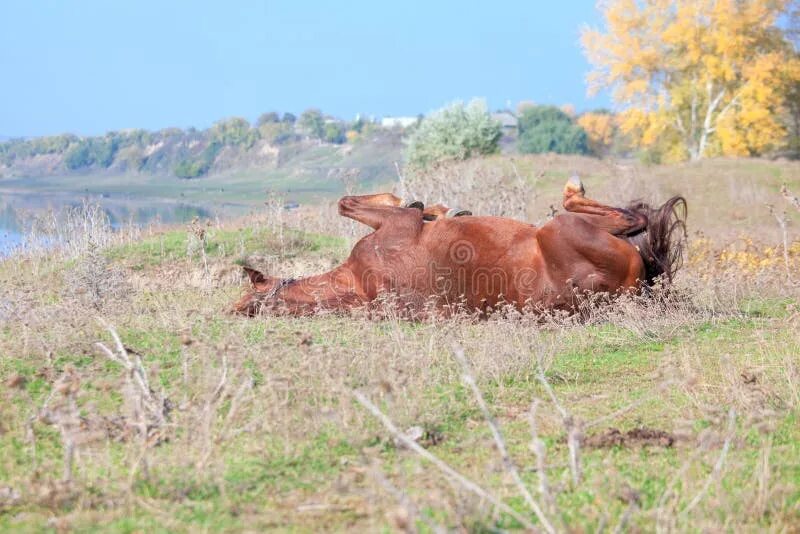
{"x":429,"y":260}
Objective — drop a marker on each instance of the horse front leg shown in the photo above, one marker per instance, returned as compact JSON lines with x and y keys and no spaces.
{"x":616,"y":221}
{"x":373,"y":210}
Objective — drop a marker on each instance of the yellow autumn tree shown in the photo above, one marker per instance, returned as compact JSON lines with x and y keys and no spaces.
{"x":600,"y":129}
{"x":695,"y":78}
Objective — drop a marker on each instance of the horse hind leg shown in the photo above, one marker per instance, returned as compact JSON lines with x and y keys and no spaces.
{"x":616,"y":221}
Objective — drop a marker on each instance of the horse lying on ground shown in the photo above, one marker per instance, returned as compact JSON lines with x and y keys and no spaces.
{"x":476,"y":263}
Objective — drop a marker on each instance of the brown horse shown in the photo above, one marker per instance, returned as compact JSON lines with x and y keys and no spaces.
{"x":480,"y":262}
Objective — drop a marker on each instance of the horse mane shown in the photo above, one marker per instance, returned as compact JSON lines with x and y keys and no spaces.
{"x":662,"y":241}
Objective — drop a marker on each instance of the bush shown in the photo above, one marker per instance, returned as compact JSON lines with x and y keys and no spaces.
{"x":548,"y":129}
{"x":455,"y":132}
{"x":192,"y":168}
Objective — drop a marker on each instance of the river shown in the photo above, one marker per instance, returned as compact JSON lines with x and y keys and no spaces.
{"x":18,"y":208}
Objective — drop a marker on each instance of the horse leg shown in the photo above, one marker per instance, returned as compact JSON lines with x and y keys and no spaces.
{"x":373,"y":210}
{"x":616,"y":221}
{"x":582,"y":257}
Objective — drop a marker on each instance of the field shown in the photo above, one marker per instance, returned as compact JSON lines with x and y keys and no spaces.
{"x":132,"y":402}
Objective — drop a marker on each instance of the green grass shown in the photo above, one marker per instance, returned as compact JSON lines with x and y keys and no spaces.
{"x":236,"y":243}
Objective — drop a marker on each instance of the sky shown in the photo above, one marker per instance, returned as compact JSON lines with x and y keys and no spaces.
{"x":91,"y":66}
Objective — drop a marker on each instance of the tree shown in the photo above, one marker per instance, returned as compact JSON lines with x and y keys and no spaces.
{"x":92,"y":150}
{"x":335,"y":133}
{"x":275,"y":132}
{"x":289,"y":118}
{"x":268,"y":118}
{"x":312,"y":123}
{"x":600,"y":130}
{"x":545,"y":129}
{"x":694,"y":77}
{"x":235,"y":131}
{"x":199,"y":165}
{"x":78,"y":156}
{"x":455,"y":132}
{"x":791,"y":103}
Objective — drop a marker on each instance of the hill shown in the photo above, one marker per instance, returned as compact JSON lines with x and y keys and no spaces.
{"x":281,"y":149}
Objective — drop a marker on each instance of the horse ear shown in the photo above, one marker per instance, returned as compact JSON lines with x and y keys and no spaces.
{"x":256,"y":277}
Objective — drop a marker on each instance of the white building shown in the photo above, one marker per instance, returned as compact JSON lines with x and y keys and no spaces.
{"x":403,"y":122}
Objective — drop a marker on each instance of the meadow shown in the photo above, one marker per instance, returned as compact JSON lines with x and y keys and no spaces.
{"x":132,"y":402}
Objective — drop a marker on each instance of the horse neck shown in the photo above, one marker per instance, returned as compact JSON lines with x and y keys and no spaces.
{"x":328,"y":290}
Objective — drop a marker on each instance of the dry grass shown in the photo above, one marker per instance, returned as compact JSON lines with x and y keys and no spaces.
{"x":167,"y":414}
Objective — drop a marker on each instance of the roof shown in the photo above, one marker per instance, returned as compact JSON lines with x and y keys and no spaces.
{"x":506,"y":119}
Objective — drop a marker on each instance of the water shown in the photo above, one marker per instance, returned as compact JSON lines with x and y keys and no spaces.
{"x":17,"y":209}
{"x":9,"y":240}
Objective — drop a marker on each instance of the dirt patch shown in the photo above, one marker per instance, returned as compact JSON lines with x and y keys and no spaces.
{"x":638,"y":437}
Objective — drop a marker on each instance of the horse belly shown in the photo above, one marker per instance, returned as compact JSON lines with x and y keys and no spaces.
{"x":484,"y":264}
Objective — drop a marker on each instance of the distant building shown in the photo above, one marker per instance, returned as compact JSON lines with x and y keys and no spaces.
{"x":403,"y":122}
{"x":508,"y":121}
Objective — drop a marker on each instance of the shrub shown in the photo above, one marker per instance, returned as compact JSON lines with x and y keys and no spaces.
{"x":455,"y":132}
{"x":548,"y":129}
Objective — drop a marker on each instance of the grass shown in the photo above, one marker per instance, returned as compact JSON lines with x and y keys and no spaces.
{"x":173,"y":245}
{"x":296,"y":465}
{"x":263,"y":432}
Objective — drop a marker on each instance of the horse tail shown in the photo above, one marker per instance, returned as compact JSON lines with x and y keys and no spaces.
{"x":662,"y":241}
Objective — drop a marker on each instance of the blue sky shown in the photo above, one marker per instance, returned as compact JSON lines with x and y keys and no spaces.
{"x":91,"y":66}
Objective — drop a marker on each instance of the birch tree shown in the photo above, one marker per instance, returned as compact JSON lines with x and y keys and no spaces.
{"x":695,"y":78}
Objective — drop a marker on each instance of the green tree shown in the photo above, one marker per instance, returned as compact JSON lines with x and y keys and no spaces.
{"x":200,"y":165}
{"x":78,"y":156}
{"x":545,"y":129}
{"x":312,"y":123}
{"x":455,"y":132}
{"x":268,"y":118}
{"x":235,"y":131}
{"x":289,"y":118}
{"x":92,"y":151}
{"x":275,"y":132}
{"x":335,"y":133}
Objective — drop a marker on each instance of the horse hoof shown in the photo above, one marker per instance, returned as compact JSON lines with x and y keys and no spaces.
{"x":416,"y":204}
{"x":453,"y":212}
{"x":574,"y":186}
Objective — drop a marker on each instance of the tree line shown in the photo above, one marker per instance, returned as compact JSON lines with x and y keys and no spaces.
{"x":185,"y":153}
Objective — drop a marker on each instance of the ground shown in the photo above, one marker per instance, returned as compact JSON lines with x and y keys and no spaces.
{"x":684,"y":407}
